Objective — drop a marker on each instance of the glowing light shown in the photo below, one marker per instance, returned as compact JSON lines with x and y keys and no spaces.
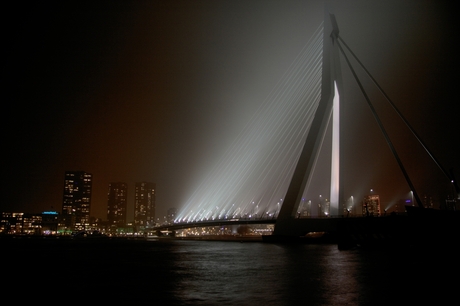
{"x":257,"y":166}
{"x":335,"y":160}
{"x":49,"y":213}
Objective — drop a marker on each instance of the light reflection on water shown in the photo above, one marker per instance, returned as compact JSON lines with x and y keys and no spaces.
{"x":269,"y":274}
{"x":231,"y":273}
{"x":224,"y":273}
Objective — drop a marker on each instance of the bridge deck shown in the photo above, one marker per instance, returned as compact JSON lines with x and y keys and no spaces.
{"x":178,"y":226}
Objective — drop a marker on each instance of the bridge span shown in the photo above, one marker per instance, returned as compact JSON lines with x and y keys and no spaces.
{"x":419,"y":227}
{"x":301,"y":226}
{"x":217,"y":222}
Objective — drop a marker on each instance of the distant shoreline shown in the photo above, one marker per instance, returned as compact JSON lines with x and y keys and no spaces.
{"x":36,"y":238}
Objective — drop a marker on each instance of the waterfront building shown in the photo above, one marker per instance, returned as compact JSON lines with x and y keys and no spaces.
{"x":172,"y":212}
{"x":144,"y":205}
{"x":19,"y":223}
{"x":428,"y":201}
{"x":11,"y":222}
{"x":32,"y":224}
{"x":371,"y":205}
{"x":50,"y":220}
{"x":76,"y":204}
{"x":117,"y":199}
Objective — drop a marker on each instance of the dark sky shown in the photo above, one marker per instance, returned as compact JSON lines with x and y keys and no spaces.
{"x":153,"y":90}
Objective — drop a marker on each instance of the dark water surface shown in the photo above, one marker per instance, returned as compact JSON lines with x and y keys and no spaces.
{"x":175,"y":272}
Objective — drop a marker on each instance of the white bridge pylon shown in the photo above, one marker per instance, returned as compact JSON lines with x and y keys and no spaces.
{"x":335,"y":159}
{"x":327,"y":112}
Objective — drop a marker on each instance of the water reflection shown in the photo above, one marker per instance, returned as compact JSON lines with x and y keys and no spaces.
{"x":265,"y":274}
{"x":230,"y":273}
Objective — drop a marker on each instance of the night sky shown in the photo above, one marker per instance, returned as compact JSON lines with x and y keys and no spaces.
{"x":153,"y":90}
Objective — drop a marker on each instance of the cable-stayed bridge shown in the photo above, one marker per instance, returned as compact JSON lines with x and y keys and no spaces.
{"x":267,"y":172}
{"x":252,"y":177}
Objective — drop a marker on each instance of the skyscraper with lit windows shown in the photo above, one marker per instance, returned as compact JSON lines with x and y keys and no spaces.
{"x":371,"y":205}
{"x":172,"y":213}
{"x":76,"y":203}
{"x":144,"y":205}
{"x":117,"y":199}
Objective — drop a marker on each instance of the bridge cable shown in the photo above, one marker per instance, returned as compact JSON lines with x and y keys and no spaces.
{"x":395,"y":154}
{"x":450,"y":177}
{"x":247,"y":157}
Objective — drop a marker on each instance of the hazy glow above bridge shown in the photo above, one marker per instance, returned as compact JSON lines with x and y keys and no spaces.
{"x":252,"y":177}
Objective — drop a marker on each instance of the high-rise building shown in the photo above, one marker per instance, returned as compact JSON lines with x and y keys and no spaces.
{"x":172,"y":213}
{"x":428,"y":201}
{"x":117,"y":199}
{"x":371,"y":205}
{"x":144,"y":205}
{"x":76,"y":203}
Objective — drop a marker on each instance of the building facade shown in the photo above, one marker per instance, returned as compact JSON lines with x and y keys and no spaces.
{"x":19,"y":223}
{"x":117,"y":201}
{"x":144,"y":205}
{"x":76,"y":203}
{"x":171,"y":216}
{"x":371,"y":206}
{"x":12,"y":223}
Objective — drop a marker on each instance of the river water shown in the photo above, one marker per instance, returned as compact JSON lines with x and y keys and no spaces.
{"x":178,"y":272}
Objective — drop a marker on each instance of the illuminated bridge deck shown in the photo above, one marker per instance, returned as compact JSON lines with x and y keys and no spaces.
{"x":220,"y":222}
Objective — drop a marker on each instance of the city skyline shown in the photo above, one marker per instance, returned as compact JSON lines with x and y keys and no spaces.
{"x":154,"y":91}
